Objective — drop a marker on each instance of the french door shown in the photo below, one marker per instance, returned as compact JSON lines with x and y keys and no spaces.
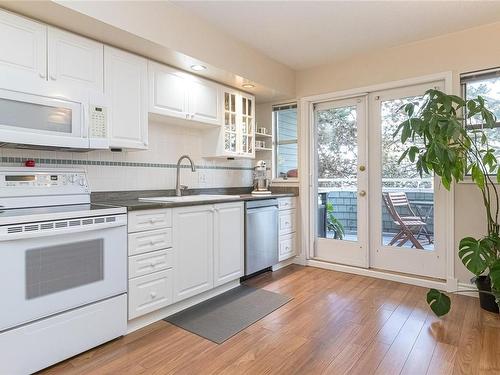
{"x":373,"y":211}
{"x":341,"y":181}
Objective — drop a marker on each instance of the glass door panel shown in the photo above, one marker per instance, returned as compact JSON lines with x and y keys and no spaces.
{"x":341,"y":183}
{"x":230,"y":130}
{"x":407,"y":211}
{"x":407,"y":199}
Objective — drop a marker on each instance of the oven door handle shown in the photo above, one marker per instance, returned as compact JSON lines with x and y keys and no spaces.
{"x":4,"y":236}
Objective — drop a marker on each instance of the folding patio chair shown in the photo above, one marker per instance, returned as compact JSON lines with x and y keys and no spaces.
{"x":410,"y":226}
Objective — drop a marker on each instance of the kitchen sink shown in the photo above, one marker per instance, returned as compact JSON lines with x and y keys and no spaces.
{"x":190,"y":198}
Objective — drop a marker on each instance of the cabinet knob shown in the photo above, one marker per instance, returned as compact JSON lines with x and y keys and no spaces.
{"x":42,"y":75}
{"x":362,"y":193}
{"x":153,"y":295}
{"x":52,"y":77}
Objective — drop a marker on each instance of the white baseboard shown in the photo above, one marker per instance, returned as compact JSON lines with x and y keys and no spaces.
{"x":283,"y":264}
{"x":405,"y":279}
{"x":143,"y":321}
{"x":467,"y":290}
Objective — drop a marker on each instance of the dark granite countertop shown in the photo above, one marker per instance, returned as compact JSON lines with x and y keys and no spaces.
{"x":131,"y":201}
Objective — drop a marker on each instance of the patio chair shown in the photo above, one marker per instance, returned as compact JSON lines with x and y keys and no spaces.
{"x":410,"y":226}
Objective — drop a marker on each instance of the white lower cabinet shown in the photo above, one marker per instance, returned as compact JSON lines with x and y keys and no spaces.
{"x":149,"y":293}
{"x":229,"y":262}
{"x":287,"y":228}
{"x":197,"y":249}
{"x":193,"y":243}
{"x":140,"y":265}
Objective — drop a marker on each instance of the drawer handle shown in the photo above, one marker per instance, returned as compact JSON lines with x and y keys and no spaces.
{"x":152,"y":264}
{"x":153,"y":242}
{"x":152,"y":295}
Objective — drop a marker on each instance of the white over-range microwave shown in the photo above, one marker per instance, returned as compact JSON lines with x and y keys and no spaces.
{"x":38,"y":121}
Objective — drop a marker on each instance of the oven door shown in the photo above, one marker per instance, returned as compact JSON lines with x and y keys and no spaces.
{"x":29,"y":119}
{"x":53,"y":270}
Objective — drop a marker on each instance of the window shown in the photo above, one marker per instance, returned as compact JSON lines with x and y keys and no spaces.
{"x":286,"y":144}
{"x":485,"y":83}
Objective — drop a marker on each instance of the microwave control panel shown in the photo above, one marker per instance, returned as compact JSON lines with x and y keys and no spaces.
{"x":98,"y":124}
{"x":43,"y":180}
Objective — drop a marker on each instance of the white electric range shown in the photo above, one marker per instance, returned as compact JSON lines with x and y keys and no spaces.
{"x":63,"y":268}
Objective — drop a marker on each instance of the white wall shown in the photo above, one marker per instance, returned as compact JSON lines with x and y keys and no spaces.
{"x":464,"y":51}
{"x":167,"y":144}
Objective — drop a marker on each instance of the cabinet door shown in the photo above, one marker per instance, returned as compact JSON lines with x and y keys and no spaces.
{"x":75,"y":61}
{"x":228,"y":242}
{"x":193,"y":247}
{"x":246,"y":119}
{"x":168,"y":91}
{"x":204,"y":102}
{"x":23,"y":52}
{"x":125,"y":86}
{"x":230,"y":131}
{"x":149,"y":293}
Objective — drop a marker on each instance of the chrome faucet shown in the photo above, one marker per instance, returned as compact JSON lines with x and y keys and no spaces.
{"x":178,"y":185}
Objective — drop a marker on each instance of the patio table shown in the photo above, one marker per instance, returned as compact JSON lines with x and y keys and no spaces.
{"x":428,"y":206}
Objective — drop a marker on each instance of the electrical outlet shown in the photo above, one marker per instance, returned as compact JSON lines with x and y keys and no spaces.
{"x":202,"y":177}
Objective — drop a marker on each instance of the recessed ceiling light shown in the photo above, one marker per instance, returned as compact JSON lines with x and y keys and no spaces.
{"x":198,"y":67}
{"x":248,"y":86}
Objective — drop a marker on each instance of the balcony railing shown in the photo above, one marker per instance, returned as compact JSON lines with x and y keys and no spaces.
{"x":337,"y":205}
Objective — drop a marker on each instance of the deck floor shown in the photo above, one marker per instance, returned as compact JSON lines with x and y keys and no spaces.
{"x":337,"y":323}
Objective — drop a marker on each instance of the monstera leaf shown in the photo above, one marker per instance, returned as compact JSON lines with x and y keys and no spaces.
{"x":439,"y":302}
{"x":476,"y":255}
{"x":495,"y":276}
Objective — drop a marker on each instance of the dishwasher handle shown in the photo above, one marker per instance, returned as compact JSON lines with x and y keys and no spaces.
{"x":263,"y":209}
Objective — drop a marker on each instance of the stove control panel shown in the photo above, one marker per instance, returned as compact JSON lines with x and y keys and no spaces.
{"x":71,"y":181}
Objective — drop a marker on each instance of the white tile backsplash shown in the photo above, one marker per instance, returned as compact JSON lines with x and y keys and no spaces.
{"x":166,"y":145}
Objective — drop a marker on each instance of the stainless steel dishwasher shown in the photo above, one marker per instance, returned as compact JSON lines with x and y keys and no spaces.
{"x":261,"y":235}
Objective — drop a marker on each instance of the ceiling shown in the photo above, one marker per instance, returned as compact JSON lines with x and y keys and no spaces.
{"x":304,"y":34}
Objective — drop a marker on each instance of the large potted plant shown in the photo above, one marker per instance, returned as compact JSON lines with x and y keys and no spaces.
{"x":444,"y":134}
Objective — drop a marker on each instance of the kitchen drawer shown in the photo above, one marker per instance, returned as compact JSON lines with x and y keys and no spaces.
{"x":287,"y":247}
{"x":287,"y":222}
{"x":144,"y":264}
{"x":144,"y":242}
{"x":149,"y":219}
{"x":286,"y":203}
{"x":149,"y":293}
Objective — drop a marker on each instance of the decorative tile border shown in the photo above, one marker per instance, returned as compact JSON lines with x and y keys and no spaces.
{"x":10,"y":159}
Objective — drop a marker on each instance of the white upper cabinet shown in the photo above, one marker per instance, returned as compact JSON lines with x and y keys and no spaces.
{"x":125,"y":86}
{"x":23,"y":52}
{"x":168,"y":91}
{"x":204,"y":101}
{"x":181,"y":95}
{"x":236,"y":138}
{"x":75,"y":61}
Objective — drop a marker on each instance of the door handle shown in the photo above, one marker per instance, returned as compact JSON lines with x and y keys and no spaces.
{"x":362,"y":193}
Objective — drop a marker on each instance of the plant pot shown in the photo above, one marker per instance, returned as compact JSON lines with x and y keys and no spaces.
{"x":487,"y":301}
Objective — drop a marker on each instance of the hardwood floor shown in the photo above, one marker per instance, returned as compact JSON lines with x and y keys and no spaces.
{"x":337,"y":323}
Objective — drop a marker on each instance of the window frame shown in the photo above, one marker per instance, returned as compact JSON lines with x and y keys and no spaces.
{"x":275,"y":144}
{"x":471,"y":77}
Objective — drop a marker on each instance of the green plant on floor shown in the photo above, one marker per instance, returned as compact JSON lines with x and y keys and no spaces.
{"x":333,"y":224}
{"x":447,"y":135}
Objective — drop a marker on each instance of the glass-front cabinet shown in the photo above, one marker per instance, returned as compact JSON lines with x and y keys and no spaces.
{"x":238,"y":133}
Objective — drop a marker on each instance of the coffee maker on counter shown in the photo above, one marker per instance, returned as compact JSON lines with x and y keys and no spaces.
{"x":260,"y":180}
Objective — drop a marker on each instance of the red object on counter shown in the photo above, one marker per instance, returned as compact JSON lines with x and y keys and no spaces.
{"x":29,"y":163}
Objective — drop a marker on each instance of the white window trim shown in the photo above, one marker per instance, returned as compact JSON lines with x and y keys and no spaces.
{"x":290,"y":181}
